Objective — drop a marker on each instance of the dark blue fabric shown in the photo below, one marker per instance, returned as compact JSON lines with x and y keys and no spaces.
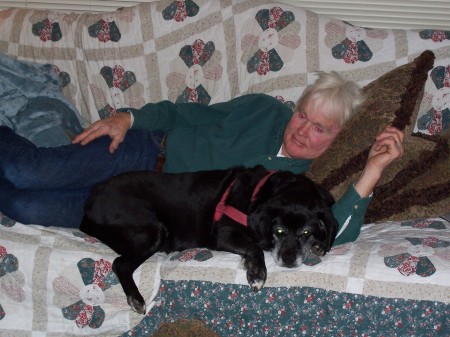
{"x":62,"y":208}
{"x":48,"y":186}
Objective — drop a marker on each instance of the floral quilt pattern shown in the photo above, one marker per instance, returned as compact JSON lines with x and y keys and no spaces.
{"x":197,"y":65}
{"x":273,"y":37}
{"x":436,"y":35}
{"x":437,"y":118}
{"x":48,"y":29}
{"x":118,"y":81}
{"x":289,"y":104}
{"x":11,"y":279}
{"x":89,"y":296}
{"x":232,"y":310}
{"x":415,"y":255}
{"x":352,"y":43}
{"x":105,"y":31}
{"x":179,"y":10}
{"x":415,"y":259}
{"x":94,"y":292}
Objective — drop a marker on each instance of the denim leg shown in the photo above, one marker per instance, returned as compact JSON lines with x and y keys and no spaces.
{"x":62,"y":208}
{"x":74,"y":166}
{"x":49,"y":186}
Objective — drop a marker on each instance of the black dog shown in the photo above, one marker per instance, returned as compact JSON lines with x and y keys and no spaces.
{"x":242,"y":211}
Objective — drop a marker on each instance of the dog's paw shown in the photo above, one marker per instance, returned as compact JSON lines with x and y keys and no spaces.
{"x":256,"y":285}
{"x":256,"y":278}
{"x":137,"y":305}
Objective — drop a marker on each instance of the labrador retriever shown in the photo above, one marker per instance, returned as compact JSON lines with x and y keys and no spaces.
{"x":238,"y":210}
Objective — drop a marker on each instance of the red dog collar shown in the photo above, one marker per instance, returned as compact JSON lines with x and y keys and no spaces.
{"x":230,"y":211}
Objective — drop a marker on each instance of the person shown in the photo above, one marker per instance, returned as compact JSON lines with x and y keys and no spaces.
{"x":48,"y":186}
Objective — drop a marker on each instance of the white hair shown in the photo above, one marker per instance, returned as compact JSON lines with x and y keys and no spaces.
{"x":333,"y":96}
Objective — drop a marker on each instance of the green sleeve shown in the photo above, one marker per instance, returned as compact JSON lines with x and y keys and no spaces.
{"x":349,"y":212}
{"x":166,"y":115}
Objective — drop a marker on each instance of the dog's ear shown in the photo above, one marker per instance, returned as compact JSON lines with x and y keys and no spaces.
{"x":330,"y":222}
{"x":259,"y":221}
{"x":262,"y":212}
{"x":276,"y":182}
{"x":326,"y":196}
{"x":331,"y":227}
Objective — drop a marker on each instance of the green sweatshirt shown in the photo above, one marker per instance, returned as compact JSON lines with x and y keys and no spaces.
{"x":247,"y":130}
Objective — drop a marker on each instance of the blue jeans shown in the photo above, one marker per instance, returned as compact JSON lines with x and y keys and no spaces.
{"x":48,"y":186}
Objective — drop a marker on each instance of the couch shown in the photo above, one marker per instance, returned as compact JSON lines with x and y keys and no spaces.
{"x":394,"y":280}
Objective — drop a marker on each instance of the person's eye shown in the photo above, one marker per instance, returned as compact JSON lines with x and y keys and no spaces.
{"x":302,"y":115}
{"x":319,"y":129}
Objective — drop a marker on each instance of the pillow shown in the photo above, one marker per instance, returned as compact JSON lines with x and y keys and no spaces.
{"x":415,"y":186}
{"x":393,"y":98}
{"x":419,"y":154}
{"x":426,"y":195}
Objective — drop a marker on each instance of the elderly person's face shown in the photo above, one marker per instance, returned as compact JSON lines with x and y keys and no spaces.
{"x":308,"y":133}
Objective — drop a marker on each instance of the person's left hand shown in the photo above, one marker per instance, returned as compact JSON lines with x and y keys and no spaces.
{"x":388,"y":147}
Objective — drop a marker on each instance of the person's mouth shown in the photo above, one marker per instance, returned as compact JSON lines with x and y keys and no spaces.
{"x":297,"y":142}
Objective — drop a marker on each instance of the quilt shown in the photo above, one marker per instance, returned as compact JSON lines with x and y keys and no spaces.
{"x":394,"y":279}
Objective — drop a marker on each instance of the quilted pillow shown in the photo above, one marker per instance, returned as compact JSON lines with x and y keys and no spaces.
{"x":419,"y":155}
{"x":393,"y":98}
{"x":425,"y":195}
{"x":415,"y":186}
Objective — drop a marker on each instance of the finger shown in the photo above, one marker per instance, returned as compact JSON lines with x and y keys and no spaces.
{"x":79,"y":138}
{"x":114,"y":145}
{"x":93,"y":134}
{"x":388,"y":141}
{"x":393,"y":147}
{"x":390,"y":130}
{"x":397,"y":134}
{"x":390,"y":137}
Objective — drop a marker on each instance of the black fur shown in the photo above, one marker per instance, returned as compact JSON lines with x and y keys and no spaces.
{"x":140,"y":213}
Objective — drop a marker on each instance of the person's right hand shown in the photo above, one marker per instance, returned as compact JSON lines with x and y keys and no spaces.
{"x":115,"y":127}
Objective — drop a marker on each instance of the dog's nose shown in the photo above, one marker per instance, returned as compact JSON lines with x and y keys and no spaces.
{"x":290,"y":260}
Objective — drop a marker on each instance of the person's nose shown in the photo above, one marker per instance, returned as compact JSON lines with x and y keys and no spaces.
{"x":303,"y":129}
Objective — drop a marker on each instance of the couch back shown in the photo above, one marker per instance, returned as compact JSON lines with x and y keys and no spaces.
{"x":211,"y":51}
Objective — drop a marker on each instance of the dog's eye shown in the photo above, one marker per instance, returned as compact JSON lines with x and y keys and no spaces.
{"x":306,"y":233}
{"x":279,"y":232}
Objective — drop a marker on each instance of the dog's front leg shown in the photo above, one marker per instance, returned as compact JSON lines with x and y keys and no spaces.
{"x":238,"y":241}
{"x":253,"y":261}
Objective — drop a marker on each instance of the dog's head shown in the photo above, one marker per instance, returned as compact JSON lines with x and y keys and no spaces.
{"x":292,"y":218}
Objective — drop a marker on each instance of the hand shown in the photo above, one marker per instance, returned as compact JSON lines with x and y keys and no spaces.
{"x":387,"y":148}
{"x":115,"y":127}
